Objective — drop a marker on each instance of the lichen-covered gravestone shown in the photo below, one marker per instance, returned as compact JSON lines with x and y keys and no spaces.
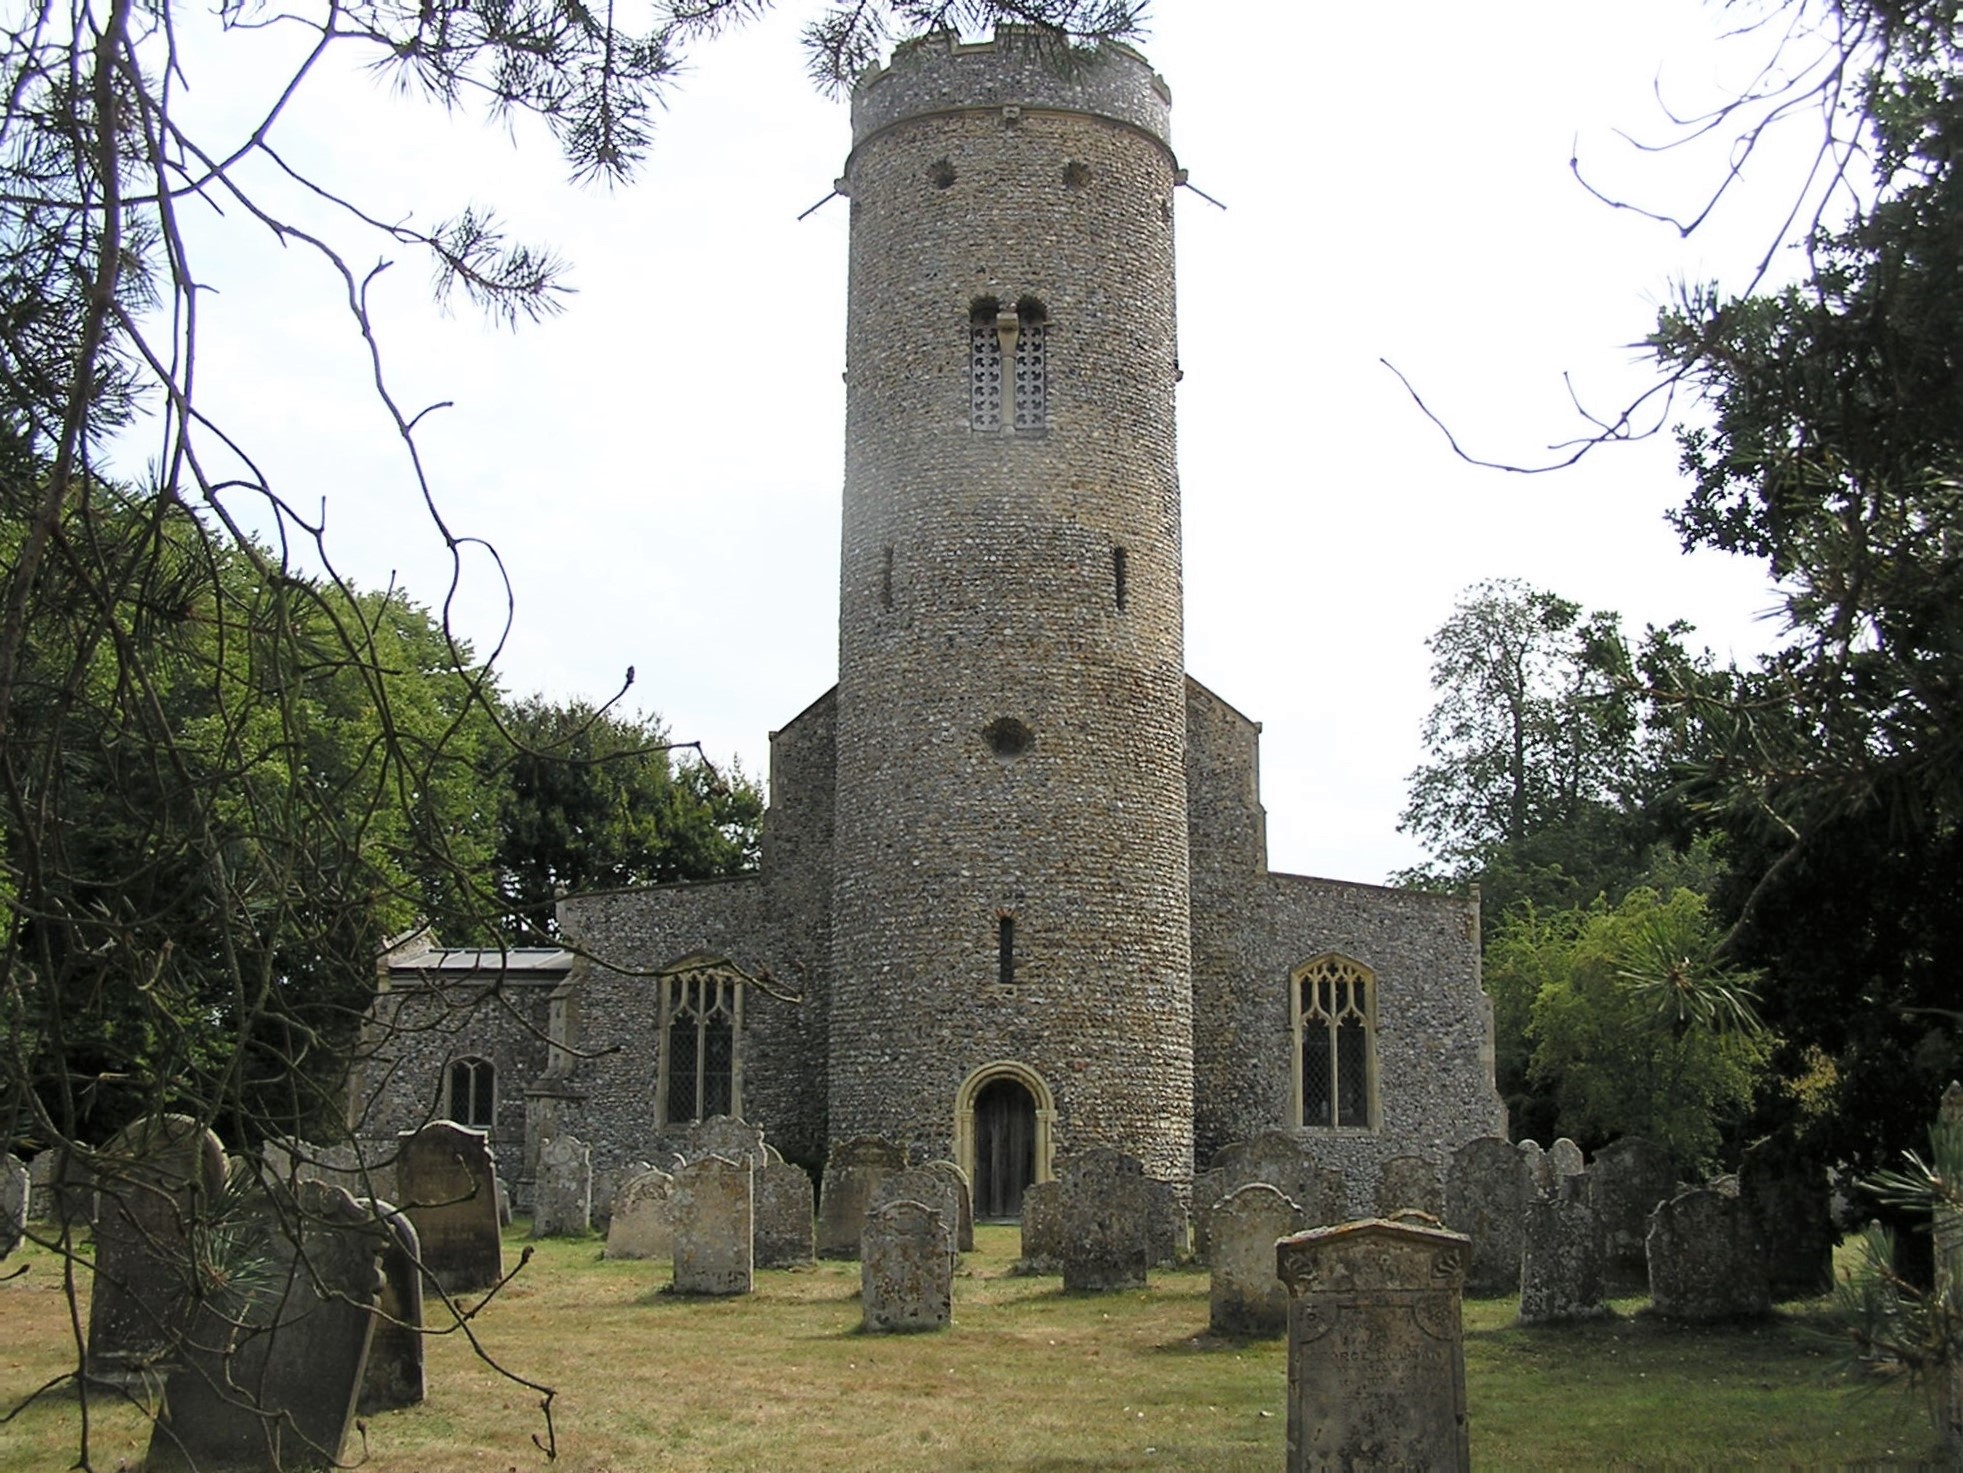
{"x":1376,"y":1356}
{"x":918,"y":1184}
{"x":964,"y":1232}
{"x":1247,"y":1298}
{"x":1042,"y":1229}
{"x":725,"y":1136}
{"x":447,"y":1180}
{"x":1283,"y":1161}
{"x":1485,"y":1198}
{"x":1787,"y":1193}
{"x":1409,"y":1184}
{"x":1542,"y":1174}
{"x":643,"y":1223}
{"x":783,"y":1215}
{"x":394,"y":1376}
{"x":714,"y":1207}
{"x":1567,"y":1157}
{"x":273,"y":1383}
{"x":1167,"y":1231}
{"x":154,"y":1182}
{"x":852,"y":1172}
{"x":562,"y":1194}
{"x":1705,"y":1258}
{"x":1625,"y":1182}
{"x":906,"y":1267}
{"x":1560,"y":1255}
{"x":1105,"y":1206}
{"x":13,"y":1202}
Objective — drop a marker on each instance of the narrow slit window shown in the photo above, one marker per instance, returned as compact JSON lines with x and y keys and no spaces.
{"x":1032,"y":381}
{"x":984,"y":366}
{"x":886,"y":581}
{"x":1005,"y":951}
{"x":1118,"y":589}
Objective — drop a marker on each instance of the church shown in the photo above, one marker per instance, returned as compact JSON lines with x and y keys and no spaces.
{"x":1014,"y":898}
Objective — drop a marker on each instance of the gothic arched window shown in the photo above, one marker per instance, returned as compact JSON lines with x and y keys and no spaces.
{"x":472,"y":1093}
{"x":701,"y":1020}
{"x":1333,"y":1000}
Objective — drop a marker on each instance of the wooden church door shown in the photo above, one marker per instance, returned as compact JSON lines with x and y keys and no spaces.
{"x":1005,"y":1148}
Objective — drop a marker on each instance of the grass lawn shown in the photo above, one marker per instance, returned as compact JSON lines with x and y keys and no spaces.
{"x":1027,"y":1378}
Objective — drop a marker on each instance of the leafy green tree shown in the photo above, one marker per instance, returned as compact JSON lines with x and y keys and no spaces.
{"x":590,"y":801}
{"x":1629,"y":1025}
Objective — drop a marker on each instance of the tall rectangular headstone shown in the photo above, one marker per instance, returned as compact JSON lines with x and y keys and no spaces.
{"x":643,"y":1224}
{"x":154,"y":1182}
{"x":919,"y":1184}
{"x":13,"y":1202}
{"x":273,"y":1383}
{"x":1626,"y":1180}
{"x":1787,"y":1193}
{"x":1041,"y":1229}
{"x":1247,"y":1297}
{"x":852,"y":1172}
{"x":784,"y":1221}
{"x":1376,"y":1354}
{"x":1560,"y":1255}
{"x":1106,"y":1231}
{"x":714,"y":1206}
{"x":562,"y":1193}
{"x":447,"y":1179}
{"x":906,"y":1267}
{"x":1486,"y":1199}
{"x":964,"y":1233}
{"x":1705,"y":1258}
{"x":1409,"y":1184}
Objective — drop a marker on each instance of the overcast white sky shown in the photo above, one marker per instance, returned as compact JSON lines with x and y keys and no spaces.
{"x":659,"y":467}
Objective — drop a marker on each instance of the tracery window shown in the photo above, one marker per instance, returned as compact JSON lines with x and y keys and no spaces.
{"x":701,"y":1021}
{"x":472,"y":1093}
{"x":1014,"y":343}
{"x":1334,"y":1005}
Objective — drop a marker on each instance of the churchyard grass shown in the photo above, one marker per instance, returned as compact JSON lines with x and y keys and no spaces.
{"x":1028,"y":1378}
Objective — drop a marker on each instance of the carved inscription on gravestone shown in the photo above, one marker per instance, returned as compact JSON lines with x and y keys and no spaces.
{"x":1376,"y":1360}
{"x":643,"y":1223}
{"x":714,"y":1222}
{"x":906,"y":1267}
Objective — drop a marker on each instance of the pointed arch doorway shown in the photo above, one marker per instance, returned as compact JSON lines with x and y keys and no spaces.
{"x":1002,"y":1127}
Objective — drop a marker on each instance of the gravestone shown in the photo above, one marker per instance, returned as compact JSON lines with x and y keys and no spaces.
{"x":643,"y":1223}
{"x":606,"y":1189}
{"x":1376,"y":1355}
{"x":273,"y":1383}
{"x":724,"y":1136}
{"x":562,"y":1193}
{"x":1788,"y":1196}
{"x":59,"y":1190}
{"x":784,"y":1234}
{"x":1542,"y":1174}
{"x":1409,"y":1184}
{"x":1247,"y":1298}
{"x":714,"y":1207}
{"x":447,"y":1179}
{"x":852,"y":1172}
{"x":1567,"y":1157}
{"x":154,"y":1182}
{"x":1560,"y":1256}
{"x":964,"y":1232}
{"x":394,"y":1376}
{"x":1105,"y":1208}
{"x":1625,"y":1182}
{"x":291,"y":1160}
{"x":13,"y":1202}
{"x":1042,"y":1229}
{"x":1166,"y":1235}
{"x":918,"y":1184}
{"x":1280,"y":1159}
{"x":1705,"y":1258}
{"x":1486,"y":1199}
{"x":906,"y":1267}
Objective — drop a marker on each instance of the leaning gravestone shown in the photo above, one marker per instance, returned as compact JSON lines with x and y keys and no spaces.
{"x":273,"y":1383}
{"x":13,"y":1202}
{"x":562,"y":1194}
{"x":964,"y":1232}
{"x":1409,"y":1184}
{"x":447,"y":1179}
{"x":1705,"y":1258}
{"x":1247,"y":1298}
{"x":1787,"y":1194}
{"x":154,"y":1182}
{"x":1042,"y":1229}
{"x":906,"y":1267}
{"x":1105,"y":1207}
{"x":643,"y":1223}
{"x":714,"y":1205}
{"x":851,"y":1174}
{"x":1486,"y":1198}
{"x":1376,"y":1356}
{"x":394,"y":1375}
{"x":1560,"y":1256}
{"x":1625,"y":1182}
{"x":783,"y":1216}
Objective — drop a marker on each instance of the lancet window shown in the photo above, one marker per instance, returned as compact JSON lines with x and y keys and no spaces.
{"x":1334,"y":1005}
{"x":701,"y":1023}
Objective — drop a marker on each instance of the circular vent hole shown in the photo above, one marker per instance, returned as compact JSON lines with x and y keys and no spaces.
{"x":1008,"y":738}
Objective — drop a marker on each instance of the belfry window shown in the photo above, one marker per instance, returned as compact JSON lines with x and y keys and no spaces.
{"x":1334,"y":1006}
{"x":472,"y":1097}
{"x":701,"y":1022}
{"x":1008,"y":365}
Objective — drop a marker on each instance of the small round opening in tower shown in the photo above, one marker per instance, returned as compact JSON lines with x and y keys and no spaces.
{"x":941,"y":174}
{"x":1008,"y":738}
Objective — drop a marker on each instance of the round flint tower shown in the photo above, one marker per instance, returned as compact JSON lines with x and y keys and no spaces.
{"x":1011,"y":939}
